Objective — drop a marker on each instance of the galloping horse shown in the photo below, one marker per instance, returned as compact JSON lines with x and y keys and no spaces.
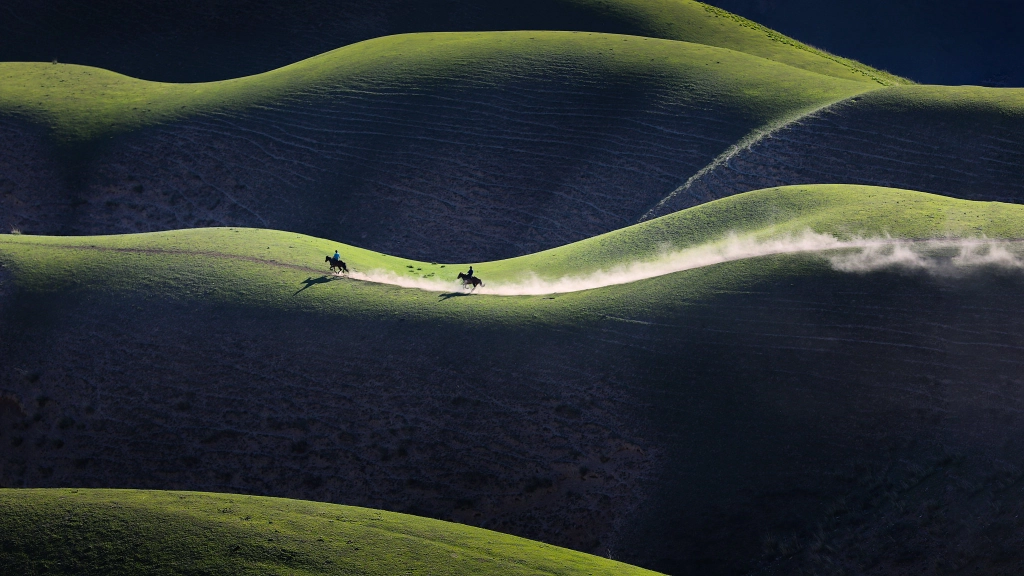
{"x":337,"y":264}
{"x":467,"y":280}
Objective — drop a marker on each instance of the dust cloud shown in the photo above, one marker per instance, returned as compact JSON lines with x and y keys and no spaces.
{"x":859,"y":255}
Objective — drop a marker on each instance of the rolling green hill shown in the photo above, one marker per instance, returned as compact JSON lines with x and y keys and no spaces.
{"x":433,"y":146}
{"x":194,"y":41}
{"x":778,"y":413}
{"x":82,"y":104}
{"x":844,"y":212}
{"x":960,"y":141}
{"x":131,"y":532}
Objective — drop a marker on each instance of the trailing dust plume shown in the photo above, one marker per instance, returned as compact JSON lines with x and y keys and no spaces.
{"x":944,"y":257}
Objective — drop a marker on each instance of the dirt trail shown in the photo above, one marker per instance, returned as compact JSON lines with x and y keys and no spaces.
{"x":942,"y":257}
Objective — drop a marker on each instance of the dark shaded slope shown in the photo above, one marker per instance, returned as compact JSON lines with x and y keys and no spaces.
{"x":472,"y":425}
{"x":961,"y":142}
{"x":803,"y":422}
{"x":950,"y":42}
{"x":437,"y":147}
{"x":198,"y":41}
{"x":470,"y":173}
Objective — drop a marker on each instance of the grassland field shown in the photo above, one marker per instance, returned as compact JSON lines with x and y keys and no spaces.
{"x":170,"y":337}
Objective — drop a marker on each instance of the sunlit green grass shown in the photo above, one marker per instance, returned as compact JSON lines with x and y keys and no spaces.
{"x":79,"y":103}
{"x":965,"y":102}
{"x":52,"y":531}
{"x":701,"y":23}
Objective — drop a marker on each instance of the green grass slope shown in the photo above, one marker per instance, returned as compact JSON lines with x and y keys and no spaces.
{"x":960,"y":141}
{"x":192,"y":41}
{"x":466,"y":146}
{"x":131,"y":532}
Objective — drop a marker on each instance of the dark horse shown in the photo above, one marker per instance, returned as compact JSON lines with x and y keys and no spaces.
{"x":337,"y":264}
{"x":467,"y":280}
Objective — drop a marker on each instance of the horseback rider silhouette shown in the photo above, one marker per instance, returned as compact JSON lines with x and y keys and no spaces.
{"x":336,"y":262}
{"x":469,"y":280}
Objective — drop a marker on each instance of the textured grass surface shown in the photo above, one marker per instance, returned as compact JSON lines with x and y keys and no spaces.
{"x":133,"y":532}
{"x":82,"y":103}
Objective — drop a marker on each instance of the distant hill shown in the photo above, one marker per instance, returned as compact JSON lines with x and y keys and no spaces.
{"x":463,"y":146}
{"x":977,"y":42}
{"x":762,"y":415}
{"x":204,"y":40}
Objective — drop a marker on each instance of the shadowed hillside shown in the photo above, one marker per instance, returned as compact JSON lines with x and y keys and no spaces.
{"x":752,"y":416}
{"x":203,"y":40}
{"x":961,"y":142}
{"x":431,"y":146}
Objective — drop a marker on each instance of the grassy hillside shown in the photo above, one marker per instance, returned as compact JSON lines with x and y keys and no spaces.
{"x":170,"y":260}
{"x":960,"y":141}
{"x":200,"y":41}
{"x":738,"y":418}
{"x":129,"y":531}
{"x":468,"y":146}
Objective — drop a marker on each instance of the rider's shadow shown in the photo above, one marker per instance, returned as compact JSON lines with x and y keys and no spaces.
{"x":443,"y":297}
{"x":310,"y":282}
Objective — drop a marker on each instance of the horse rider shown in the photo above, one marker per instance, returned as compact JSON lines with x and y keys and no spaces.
{"x":336,"y":255}
{"x":470,"y":274}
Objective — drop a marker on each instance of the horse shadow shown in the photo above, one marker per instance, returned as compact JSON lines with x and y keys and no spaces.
{"x":447,"y":295}
{"x":310,"y":282}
